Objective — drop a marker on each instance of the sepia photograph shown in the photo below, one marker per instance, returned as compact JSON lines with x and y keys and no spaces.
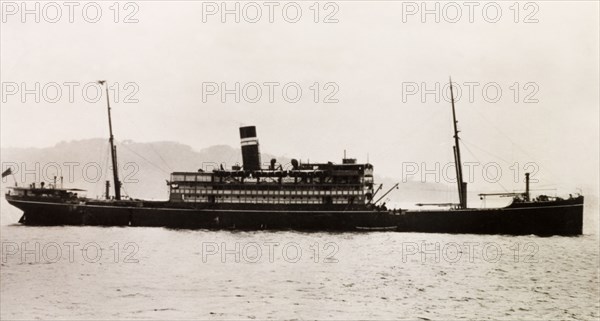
{"x":300,"y":160}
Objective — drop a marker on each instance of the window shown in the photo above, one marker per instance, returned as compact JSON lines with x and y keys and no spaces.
{"x":177,"y":178}
{"x":204,"y":178}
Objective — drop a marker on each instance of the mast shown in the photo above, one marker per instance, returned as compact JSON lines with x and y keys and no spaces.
{"x":462,"y":187}
{"x":527,"y":187}
{"x":113,"y":148}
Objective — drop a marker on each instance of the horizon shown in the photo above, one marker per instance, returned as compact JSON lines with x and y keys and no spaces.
{"x":410,"y":178}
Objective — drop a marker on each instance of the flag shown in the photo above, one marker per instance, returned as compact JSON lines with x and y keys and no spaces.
{"x":6,"y":172}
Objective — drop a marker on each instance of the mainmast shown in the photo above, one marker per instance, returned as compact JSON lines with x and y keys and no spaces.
{"x":462,"y":186}
{"x":113,"y":148}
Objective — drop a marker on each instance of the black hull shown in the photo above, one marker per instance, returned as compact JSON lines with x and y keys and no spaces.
{"x":541,"y":218}
{"x":556,"y":219}
{"x":166,"y":215}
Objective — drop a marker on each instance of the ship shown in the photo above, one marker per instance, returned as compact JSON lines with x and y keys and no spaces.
{"x":324,"y":196}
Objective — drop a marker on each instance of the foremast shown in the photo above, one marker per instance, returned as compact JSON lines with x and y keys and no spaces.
{"x":462,"y":186}
{"x":113,"y":148}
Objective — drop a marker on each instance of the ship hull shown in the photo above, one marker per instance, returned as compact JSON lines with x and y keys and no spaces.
{"x":546,"y":218}
{"x":165,"y":214}
{"x":564,"y":218}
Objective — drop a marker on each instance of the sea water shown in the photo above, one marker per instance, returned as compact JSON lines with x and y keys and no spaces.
{"x":157,"y":273}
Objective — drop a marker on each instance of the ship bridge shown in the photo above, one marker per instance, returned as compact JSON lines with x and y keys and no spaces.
{"x":348,"y":183}
{"x":326,"y":183}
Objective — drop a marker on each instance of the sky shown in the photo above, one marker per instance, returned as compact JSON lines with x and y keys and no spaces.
{"x":362,"y":68}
